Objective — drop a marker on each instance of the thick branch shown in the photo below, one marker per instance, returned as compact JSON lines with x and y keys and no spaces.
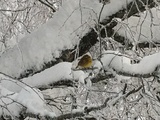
{"x":124,"y":73}
{"x":68,"y":83}
{"x":71,"y":83}
{"x":98,"y":78}
{"x":90,"y":38}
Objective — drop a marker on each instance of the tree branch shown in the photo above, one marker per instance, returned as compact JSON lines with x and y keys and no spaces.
{"x":48,"y":5}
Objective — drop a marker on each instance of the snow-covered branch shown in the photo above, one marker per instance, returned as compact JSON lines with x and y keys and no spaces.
{"x":122,"y":64}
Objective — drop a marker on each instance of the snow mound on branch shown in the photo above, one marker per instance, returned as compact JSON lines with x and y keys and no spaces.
{"x":11,"y":84}
{"x":32,"y":99}
{"x":121,"y":63}
{"x":7,"y":103}
{"x":61,"y":71}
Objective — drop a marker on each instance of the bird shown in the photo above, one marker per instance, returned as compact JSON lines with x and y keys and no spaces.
{"x":85,"y":62}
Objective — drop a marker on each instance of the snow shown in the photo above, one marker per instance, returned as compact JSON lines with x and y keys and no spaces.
{"x":141,"y":29}
{"x":121,"y":63}
{"x":11,"y":84}
{"x":79,"y":75}
{"x":12,"y":103}
{"x":6,"y":101}
{"x":61,"y":71}
{"x":33,"y":99}
{"x":63,"y":31}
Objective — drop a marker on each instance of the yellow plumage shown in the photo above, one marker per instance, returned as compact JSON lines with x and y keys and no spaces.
{"x":85,"y":62}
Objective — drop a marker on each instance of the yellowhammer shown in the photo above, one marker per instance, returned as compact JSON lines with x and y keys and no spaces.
{"x":85,"y":62}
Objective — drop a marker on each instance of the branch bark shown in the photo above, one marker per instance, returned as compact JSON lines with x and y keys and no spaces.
{"x":48,"y":5}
